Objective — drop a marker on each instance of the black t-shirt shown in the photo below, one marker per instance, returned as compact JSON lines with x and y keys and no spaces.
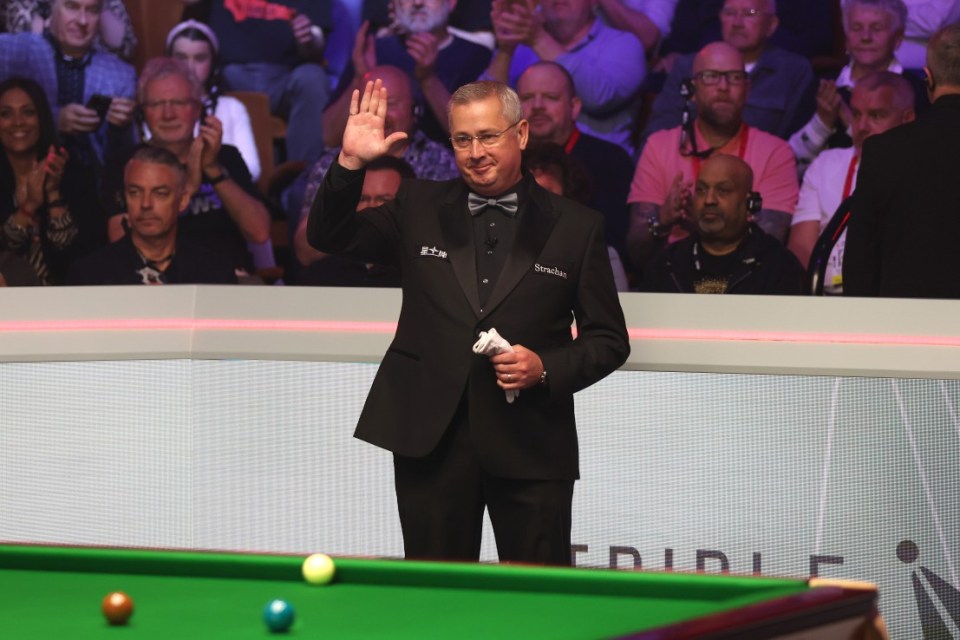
{"x":759,"y":265}
{"x":121,"y":263}
{"x":205,"y":221}
{"x":713,"y":273}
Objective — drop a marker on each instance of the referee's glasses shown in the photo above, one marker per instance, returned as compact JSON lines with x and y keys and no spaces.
{"x":463,"y":141}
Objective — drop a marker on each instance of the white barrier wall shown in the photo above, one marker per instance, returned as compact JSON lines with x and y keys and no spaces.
{"x":750,"y":435}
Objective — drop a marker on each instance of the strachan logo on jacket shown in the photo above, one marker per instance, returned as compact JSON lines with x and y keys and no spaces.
{"x":553,"y":271}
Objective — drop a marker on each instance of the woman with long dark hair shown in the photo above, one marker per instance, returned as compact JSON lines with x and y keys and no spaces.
{"x":36,"y":221}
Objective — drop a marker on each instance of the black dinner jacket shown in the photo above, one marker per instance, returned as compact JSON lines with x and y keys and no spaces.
{"x":558,"y":270}
{"x":905,"y":220}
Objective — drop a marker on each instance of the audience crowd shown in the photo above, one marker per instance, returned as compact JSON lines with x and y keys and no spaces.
{"x":720,"y":139}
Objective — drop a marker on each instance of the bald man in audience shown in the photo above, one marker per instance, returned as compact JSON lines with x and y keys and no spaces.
{"x":430,"y":160}
{"x":783,"y":86}
{"x":727,"y":252}
{"x":661,"y":188}
{"x":421,"y":43}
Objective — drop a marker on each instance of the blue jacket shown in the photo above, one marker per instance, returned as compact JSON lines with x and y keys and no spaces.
{"x":32,"y":56}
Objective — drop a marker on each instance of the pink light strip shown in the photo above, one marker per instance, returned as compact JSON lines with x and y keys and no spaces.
{"x":794,"y":337}
{"x":344,"y":326}
{"x":194,"y":324}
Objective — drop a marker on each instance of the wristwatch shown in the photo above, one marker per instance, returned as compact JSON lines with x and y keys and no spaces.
{"x":657,"y":229}
{"x":220,"y":178}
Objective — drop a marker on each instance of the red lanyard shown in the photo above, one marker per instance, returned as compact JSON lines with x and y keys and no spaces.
{"x":744,"y":134}
{"x":848,"y":184}
{"x":847,"y":187}
{"x":572,"y":142}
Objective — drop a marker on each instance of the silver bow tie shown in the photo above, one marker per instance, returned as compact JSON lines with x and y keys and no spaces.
{"x":508,"y":203}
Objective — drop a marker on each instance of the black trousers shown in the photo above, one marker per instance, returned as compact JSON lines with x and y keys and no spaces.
{"x":441,"y":499}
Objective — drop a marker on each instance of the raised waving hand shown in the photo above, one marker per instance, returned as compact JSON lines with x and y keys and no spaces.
{"x":363,"y":138}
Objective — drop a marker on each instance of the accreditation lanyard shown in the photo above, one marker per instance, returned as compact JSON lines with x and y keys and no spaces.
{"x":851,"y":171}
{"x":744,"y":135}
{"x":572,"y":142}
{"x":847,"y":188}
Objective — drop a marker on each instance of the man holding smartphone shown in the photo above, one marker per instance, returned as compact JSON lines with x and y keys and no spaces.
{"x":91,"y":91}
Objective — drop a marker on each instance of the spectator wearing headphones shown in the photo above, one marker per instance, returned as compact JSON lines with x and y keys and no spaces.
{"x":727,"y":252}
{"x":198,"y":47}
{"x":662,"y":184}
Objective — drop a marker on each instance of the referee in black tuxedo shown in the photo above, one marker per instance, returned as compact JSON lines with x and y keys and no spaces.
{"x":491,"y":250}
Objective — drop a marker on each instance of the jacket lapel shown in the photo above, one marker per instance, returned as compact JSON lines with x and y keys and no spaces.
{"x":457,"y":230}
{"x":536,"y":225}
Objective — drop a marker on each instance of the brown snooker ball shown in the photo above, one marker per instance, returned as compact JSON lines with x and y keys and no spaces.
{"x":117,"y":607}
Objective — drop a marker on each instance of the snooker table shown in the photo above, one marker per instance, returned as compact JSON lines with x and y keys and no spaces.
{"x":55,"y":592}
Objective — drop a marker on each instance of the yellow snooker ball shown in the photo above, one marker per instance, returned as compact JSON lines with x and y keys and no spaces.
{"x":318,"y":569}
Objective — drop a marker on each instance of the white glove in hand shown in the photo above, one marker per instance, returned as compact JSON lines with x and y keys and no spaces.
{"x":490,"y":344}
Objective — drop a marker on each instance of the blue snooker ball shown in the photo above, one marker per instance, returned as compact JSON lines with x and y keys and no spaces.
{"x":278,"y":614}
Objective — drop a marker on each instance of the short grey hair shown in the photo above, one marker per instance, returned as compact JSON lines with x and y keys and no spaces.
{"x":903,"y":96}
{"x":162,"y":67}
{"x":943,"y":55}
{"x":510,"y":107}
{"x":158,"y":155}
{"x":895,"y":8}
